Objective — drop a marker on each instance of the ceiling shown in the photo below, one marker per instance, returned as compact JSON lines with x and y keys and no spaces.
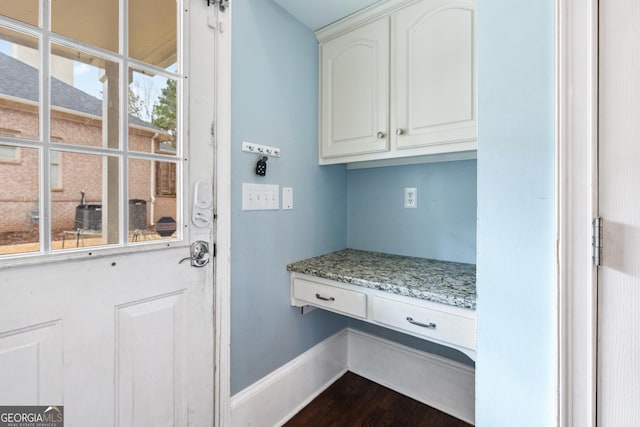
{"x":317,"y":14}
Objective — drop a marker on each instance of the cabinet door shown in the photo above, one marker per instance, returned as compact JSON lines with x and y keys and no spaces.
{"x":354,"y":94}
{"x":434,"y":73}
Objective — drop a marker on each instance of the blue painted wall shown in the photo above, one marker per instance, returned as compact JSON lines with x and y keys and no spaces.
{"x":274,"y":102}
{"x":443,"y":226}
{"x":516,"y":365}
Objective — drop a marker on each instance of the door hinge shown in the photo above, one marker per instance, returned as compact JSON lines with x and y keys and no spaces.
{"x":222,"y":4}
{"x":596,"y":241}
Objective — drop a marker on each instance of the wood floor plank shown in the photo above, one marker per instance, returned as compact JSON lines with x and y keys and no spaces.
{"x":354,"y":401}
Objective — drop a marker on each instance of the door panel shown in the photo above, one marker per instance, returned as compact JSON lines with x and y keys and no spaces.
{"x":152,"y":390}
{"x":31,"y":360}
{"x":136,"y":322}
{"x":619,"y":205}
{"x":124,"y":335}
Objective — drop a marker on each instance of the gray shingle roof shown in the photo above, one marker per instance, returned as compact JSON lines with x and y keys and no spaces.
{"x":20,"y":80}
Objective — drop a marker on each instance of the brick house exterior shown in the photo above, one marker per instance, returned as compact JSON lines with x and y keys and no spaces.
{"x":74,"y":173}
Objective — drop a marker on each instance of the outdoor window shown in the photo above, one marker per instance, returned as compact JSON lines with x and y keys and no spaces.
{"x":9,"y":154}
{"x":113,"y":101}
{"x":165,"y":179}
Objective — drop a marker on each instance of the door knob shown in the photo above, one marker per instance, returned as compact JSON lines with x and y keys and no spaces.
{"x":199,"y":254}
{"x":400,"y":131}
{"x":381,"y":135}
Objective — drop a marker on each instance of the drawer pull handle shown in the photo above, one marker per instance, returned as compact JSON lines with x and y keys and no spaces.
{"x":429,"y":325}
{"x":320,"y":297}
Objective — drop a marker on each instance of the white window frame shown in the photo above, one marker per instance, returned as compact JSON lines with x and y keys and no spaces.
{"x":46,"y":143}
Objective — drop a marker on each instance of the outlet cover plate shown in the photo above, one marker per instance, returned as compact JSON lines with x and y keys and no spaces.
{"x":410,"y":197}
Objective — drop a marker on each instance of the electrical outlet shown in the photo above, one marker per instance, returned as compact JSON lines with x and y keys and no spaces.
{"x":410,"y":197}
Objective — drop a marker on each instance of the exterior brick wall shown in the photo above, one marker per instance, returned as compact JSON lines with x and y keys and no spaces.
{"x":19,"y":180}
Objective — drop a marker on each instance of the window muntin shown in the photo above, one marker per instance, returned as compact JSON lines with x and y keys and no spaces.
{"x":91,"y":145}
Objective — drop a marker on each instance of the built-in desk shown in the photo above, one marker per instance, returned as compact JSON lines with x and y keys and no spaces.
{"x":430,"y":299}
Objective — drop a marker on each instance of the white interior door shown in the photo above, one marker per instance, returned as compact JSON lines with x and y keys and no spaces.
{"x":111,"y":326}
{"x":618,"y":390}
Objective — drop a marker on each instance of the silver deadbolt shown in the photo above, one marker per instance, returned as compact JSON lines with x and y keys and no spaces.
{"x":199,"y":254}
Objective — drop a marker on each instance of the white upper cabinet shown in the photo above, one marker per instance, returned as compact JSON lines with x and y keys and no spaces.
{"x":399,"y":80}
{"x":433,"y":59}
{"x":355,"y":91}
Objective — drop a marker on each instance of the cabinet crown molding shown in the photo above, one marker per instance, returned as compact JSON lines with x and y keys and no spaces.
{"x":366,"y":15}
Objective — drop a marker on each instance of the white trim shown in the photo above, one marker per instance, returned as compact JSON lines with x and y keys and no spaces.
{"x":361,"y":17}
{"x":401,"y":161}
{"x":275,"y":398}
{"x":222,"y":296}
{"x":435,"y":381}
{"x":577,"y":205}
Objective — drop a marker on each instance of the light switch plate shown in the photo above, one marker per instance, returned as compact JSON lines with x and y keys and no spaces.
{"x":287,"y":198}
{"x":259,"y":197}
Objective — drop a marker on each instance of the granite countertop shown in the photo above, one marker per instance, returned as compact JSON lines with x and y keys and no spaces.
{"x":445,"y":282}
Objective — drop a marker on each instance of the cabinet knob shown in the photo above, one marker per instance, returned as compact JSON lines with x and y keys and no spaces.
{"x":381,"y":135}
{"x":400,"y":131}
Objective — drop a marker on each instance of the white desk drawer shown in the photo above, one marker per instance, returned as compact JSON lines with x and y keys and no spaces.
{"x":430,"y":323}
{"x":337,"y":299}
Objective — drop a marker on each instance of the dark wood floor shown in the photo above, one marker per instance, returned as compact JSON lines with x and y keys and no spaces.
{"x":354,"y":401}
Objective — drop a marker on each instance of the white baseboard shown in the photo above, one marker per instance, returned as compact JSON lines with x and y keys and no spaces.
{"x":435,"y":381}
{"x":274,"y":399}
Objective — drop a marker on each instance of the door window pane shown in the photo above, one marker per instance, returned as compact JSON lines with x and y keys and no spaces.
{"x":152,"y":113}
{"x":19,"y":85}
{"x":85,"y":212}
{"x":19,"y":201}
{"x":84,"y":98}
{"x":94,"y":22}
{"x":152,"y":200}
{"x":153,"y":32}
{"x":21,"y":10}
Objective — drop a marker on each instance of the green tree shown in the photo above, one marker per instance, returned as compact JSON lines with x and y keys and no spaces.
{"x":164,"y":110}
{"x":135,"y":105}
